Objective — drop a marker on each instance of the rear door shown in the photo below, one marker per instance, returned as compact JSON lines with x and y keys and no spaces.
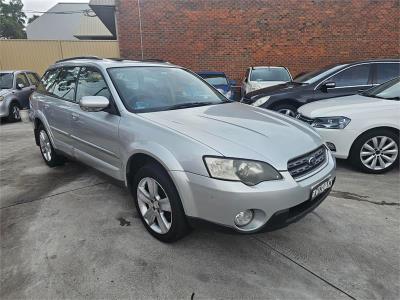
{"x":385,"y":71}
{"x":95,"y":134}
{"x":58,"y":105}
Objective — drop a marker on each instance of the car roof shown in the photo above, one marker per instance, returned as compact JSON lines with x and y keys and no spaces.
{"x":264,"y":67}
{"x":17,"y":71}
{"x":210,"y":73}
{"x":111,"y":62}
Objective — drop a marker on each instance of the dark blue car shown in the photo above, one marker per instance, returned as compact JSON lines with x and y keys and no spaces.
{"x":220,"y":81}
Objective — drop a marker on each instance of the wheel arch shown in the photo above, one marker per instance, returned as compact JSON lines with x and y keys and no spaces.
{"x":39,"y":119}
{"x":390,"y":128}
{"x":138,"y":160}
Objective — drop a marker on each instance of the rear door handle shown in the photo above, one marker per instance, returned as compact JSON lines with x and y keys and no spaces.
{"x":75,"y":116}
{"x":46,"y":106}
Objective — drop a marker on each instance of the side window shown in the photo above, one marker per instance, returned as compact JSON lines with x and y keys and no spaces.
{"x":353,"y":76}
{"x":48,"y":80}
{"x":33,"y":78}
{"x":387,"y":71}
{"x":91,"y":83}
{"x":65,"y":84}
{"x":21,"y":79}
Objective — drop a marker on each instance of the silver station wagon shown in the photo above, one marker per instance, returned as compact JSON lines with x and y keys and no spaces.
{"x":187,"y":154}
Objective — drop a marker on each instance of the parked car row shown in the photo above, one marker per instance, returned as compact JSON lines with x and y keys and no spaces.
{"x":188,"y":154}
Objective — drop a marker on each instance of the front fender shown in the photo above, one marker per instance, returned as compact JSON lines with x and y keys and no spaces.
{"x":158,"y":152}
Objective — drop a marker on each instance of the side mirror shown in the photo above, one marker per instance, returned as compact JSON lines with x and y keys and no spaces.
{"x":327,"y":85}
{"x":20,"y":86}
{"x":93,"y":103}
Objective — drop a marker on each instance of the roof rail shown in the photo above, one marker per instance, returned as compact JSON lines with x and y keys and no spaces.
{"x":79,"y":57}
{"x":154,"y":60}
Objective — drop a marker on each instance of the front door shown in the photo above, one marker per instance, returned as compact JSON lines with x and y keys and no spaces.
{"x":350,"y":81}
{"x":95,"y":134}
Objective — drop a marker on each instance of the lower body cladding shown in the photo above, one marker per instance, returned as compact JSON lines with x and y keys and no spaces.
{"x":268,"y":206}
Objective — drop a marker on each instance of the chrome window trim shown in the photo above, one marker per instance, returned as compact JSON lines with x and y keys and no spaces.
{"x":348,"y":67}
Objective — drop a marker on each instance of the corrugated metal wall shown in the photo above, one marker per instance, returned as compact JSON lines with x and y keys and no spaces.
{"x":38,"y":55}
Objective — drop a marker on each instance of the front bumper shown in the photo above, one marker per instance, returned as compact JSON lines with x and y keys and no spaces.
{"x":342,"y":139}
{"x":277,"y":203}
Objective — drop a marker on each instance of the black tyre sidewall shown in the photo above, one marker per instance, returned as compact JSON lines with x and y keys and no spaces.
{"x":360,"y":141}
{"x":10,"y":113}
{"x":56,"y":159}
{"x":179,"y":226}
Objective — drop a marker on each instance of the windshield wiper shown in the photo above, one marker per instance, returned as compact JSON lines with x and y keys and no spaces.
{"x":190,"y":104}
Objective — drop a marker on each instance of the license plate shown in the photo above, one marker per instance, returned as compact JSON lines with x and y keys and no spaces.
{"x":321,"y":187}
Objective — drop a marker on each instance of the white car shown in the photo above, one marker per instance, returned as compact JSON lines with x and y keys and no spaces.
{"x":257,"y":78}
{"x":363,"y":128}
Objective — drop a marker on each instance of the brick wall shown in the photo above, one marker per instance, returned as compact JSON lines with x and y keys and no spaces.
{"x":230,"y":35}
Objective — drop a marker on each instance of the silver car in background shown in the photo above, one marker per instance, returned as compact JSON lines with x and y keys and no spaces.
{"x":186,"y":153}
{"x":15,"y":89}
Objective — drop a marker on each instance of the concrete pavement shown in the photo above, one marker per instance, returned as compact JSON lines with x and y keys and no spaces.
{"x":71,"y":232}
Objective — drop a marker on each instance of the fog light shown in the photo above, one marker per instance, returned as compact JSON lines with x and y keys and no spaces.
{"x":244,"y":217}
{"x":331,"y":146}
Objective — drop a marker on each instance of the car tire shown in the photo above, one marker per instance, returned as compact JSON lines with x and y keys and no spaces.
{"x":158,"y":204}
{"x":376,"y":151}
{"x":286,"y":109}
{"x":14,"y":112}
{"x":49,"y":155}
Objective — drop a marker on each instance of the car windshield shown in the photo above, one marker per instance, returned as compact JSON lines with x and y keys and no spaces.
{"x":314,"y":76}
{"x":146,"y":89}
{"x":6,"y":80}
{"x":389,"y":90}
{"x":270,"y":74}
{"x":215,"y":79}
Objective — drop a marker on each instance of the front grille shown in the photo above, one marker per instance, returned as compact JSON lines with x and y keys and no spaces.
{"x":307,"y":163}
{"x":304,"y":118}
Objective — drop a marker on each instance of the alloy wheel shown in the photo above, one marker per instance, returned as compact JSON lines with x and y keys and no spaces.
{"x":379,"y":153}
{"x":288,"y":112}
{"x":154,"y":205}
{"x":45,"y":145}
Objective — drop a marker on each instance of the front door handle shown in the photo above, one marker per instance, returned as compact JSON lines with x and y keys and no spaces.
{"x":75,"y":116}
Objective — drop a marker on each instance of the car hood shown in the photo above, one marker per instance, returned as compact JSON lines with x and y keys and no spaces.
{"x":345,"y":106}
{"x":242,"y":131}
{"x":276,"y":89}
{"x":5,"y":92}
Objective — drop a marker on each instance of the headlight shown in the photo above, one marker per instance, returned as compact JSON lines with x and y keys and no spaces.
{"x":331,"y":122}
{"x":247,"y":171}
{"x":1,"y":98}
{"x":261,"y":101}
